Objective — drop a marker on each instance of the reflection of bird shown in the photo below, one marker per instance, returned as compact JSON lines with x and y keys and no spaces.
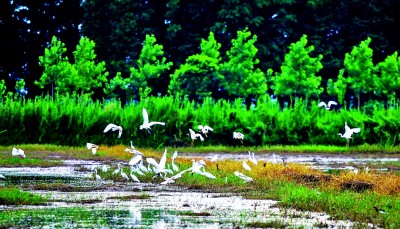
{"x":205,"y":129}
{"x":194,"y":136}
{"x":92,"y":147}
{"x":238,"y":135}
{"x":330,"y":103}
{"x":18,"y":153}
{"x":146,"y":124}
{"x":348,"y":132}
{"x":113,"y":127}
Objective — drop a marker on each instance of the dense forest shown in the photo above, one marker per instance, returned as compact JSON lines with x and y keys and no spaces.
{"x":236,"y":53}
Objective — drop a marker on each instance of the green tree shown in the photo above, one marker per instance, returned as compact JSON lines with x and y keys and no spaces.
{"x":338,"y":88}
{"x":298,"y":72}
{"x":114,"y":84}
{"x":20,"y":88}
{"x":86,"y":73}
{"x":199,"y":76}
{"x":150,"y":66}
{"x":54,"y":63}
{"x":389,"y":77}
{"x":360,"y":69}
{"x":240,"y":76}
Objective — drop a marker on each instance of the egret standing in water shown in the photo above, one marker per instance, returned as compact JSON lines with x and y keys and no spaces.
{"x":349,"y":132}
{"x":146,"y":124}
{"x":113,"y":127}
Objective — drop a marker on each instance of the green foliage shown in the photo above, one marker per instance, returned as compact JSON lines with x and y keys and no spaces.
{"x":241,"y":78}
{"x":65,"y":77}
{"x":339,"y":87}
{"x":55,"y":64}
{"x":150,"y":66}
{"x":14,"y":196}
{"x":360,"y":69}
{"x":389,"y":78}
{"x":3,"y":88}
{"x":199,"y":76}
{"x":116,"y":82}
{"x":298,"y":72}
{"x":86,"y":73}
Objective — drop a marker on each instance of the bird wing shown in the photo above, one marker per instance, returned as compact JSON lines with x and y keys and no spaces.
{"x":109,"y":127}
{"x":322,"y":104}
{"x":356,"y":130}
{"x":200,"y":127}
{"x":201,"y":137}
{"x":192,"y":134}
{"x":94,"y":149}
{"x":346,"y":127}
{"x":145,"y":117}
{"x":158,"y":123}
{"x":330,"y":103}
{"x":15,"y":152}
{"x":135,"y":159}
{"x":119,"y":132}
{"x":163,"y":160}
{"x":208,"y":128}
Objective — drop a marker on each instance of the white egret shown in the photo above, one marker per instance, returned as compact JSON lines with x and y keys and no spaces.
{"x":146,"y":124}
{"x":18,"y":153}
{"x":96,"y":176}
{"x":327,"y":106}
{"x":117,"y":170}
{"x":113,"y":127}
{"x":104,"y":168}
{"x":194,"y":136}
{"x":205,"y":129}
{"x":243,"y":177}
{"x":239,"y":136}
{"x":135,"y":160}
{"x":174,"y":156}
{"x":348,"y":132}
{"x":159,"y":167}
{"x":134,"y":178}
{"x":246,"y":166}
{"x":214,"y":158}
{"x":274,"y":161}
{"x":252,"y":159}
{"x":207,"y":174}
{"x":123,"y":174}
{"x":92,"y":147}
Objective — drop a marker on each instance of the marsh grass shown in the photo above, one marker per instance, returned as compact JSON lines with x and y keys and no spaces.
{"x":28,"y":162}
{"x":14,"y":196}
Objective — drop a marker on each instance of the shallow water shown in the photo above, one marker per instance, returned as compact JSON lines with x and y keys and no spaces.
{"x":162,"y":206}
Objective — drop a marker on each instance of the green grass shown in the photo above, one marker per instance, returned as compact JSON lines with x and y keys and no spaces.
{"x":14,"y":196}
{"x":28,"y":162}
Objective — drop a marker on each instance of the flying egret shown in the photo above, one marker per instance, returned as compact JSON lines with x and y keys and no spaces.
{"x":348,"y":132}
{"x":194,"y":136}
{"x":205,"y":129}
{"x":113,"y":127}
{"x":246,"y":166}
{"x":160,"y":166}
{"x":146,"y":124}
{"x":243,"y":177}
{"x":18,"y":153}
{"x":92,"y":147}
{"x":330,"y":103}
{"x":239,"y":136}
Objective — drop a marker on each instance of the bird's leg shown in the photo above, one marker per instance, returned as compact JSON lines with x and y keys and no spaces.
{"x":192,"y":143}
{"x":217,"y":167}
{"x":148,"y":131}
{"x":348,"y":142}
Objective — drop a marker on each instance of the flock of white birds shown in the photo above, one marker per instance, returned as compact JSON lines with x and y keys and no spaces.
{"x":171,"y":172}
